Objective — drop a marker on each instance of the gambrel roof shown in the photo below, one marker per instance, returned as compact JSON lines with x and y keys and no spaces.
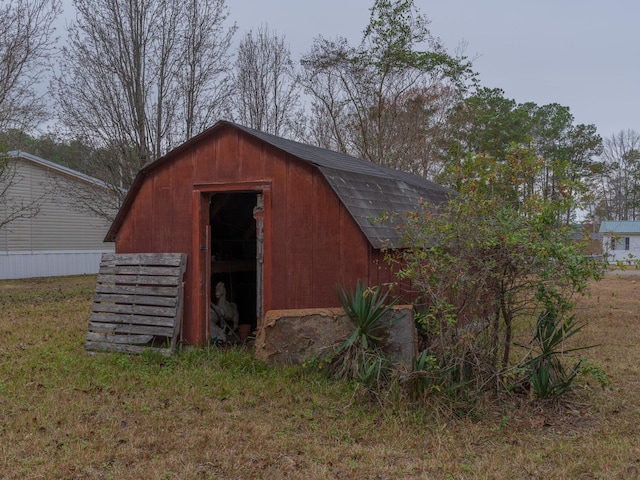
{"x":367,"y":190}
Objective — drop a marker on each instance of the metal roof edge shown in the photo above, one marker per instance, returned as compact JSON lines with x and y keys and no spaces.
{"x":619,"y":226}
{"x":59,"y":168}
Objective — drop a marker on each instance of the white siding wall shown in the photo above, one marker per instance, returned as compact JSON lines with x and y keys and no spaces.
{"x":620,"y":254}
{"x":59,"y":240}
{"x":48,"y":264}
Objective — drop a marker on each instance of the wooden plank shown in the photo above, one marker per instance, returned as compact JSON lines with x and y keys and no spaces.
{"x":163,"y":259}
{"x":115,"y":347}
{"x":125,"y":309}
{"x":379,"y":271}
{"x":111,"y":317}
{"x":326,"y":243}
{"x":279,"y":233}
{"x":130,"y":339}
{"x":198,"y":328}
{"x":177,"y":323}
{"x":152,"y":271}
{"x":354,"y":255}
{"x":137,"y":290}
{"x":164,"y":211}
{"x":132,"y":329}
{"x":225,"y":167}
{"x":138,"y":280}
{"x":252,"y":163}
{"x":135,"y":299}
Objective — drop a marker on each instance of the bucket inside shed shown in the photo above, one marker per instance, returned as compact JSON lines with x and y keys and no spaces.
{"x":234,"y":251}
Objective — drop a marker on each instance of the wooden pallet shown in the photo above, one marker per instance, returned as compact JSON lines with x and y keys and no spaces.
{"x":138,"y":303}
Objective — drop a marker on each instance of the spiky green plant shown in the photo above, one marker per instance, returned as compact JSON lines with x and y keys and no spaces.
{"x":359,"y":357}
{"x":548,"y":375}
{"x":366,"y":308}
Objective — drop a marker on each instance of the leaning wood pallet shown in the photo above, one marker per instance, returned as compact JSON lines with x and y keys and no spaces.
{"x":138,"y":303}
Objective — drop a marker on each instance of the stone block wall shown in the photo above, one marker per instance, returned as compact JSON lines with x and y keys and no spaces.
{"x":292,"y":336}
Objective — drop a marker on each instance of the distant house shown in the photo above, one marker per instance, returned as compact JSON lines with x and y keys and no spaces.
{"x":620,"y":240}
{"x":56,"y":237}
{"x":589,"y":238}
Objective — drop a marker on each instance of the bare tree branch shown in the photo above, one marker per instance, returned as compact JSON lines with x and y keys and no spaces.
{"x":267,"y":94}
{"x":26,"y":48}
{"x":12,"y":207}
{"x":139,"y":77}
{"x":619,"y":186}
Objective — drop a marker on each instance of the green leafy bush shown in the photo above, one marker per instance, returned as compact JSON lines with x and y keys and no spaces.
{"x":485,"y":263}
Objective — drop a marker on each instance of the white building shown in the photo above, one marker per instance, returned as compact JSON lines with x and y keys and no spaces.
{"x":621,"y":241}
{"x":61,"y":238}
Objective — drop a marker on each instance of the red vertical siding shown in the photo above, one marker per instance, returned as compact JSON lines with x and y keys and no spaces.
{"x":381,"y":273}
{"x":354,"y":250}
{"x":164,"y":214}
{"x":267,"y":280}
{"x":311,"y":241}
{"x":279,"y":234}
{"x":143,"y":235}
{"x":299,"y":242}
{"x":227,"y":159}
{"x":327,"y":263}
{"x":205,"y":162}
{"x":195,"y":325}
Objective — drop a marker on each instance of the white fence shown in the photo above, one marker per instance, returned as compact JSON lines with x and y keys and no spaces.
{"x":49,"y":263}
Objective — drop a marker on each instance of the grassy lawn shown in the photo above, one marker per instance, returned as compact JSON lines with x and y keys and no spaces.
{"x":218,"y":414}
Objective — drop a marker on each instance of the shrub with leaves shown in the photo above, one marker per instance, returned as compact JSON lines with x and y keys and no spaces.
{"x":487,"y":262}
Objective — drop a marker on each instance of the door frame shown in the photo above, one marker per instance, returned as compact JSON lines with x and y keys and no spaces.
{"x":201,"y":250}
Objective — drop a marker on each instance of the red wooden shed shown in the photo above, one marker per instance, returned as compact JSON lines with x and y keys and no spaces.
{"x":280,"y":222}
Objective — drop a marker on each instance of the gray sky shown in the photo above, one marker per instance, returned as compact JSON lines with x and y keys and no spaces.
{"x":583,"y":54}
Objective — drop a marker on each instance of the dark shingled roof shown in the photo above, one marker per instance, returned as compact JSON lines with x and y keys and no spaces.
{"x":366,"y":189}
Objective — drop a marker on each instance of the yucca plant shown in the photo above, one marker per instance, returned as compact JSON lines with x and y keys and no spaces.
{"x":548,"y":375}
{"x":359,"y":356}
{"x":366,"y":307}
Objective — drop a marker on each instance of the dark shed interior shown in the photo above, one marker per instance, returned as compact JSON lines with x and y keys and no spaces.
{"x":233,"y":250}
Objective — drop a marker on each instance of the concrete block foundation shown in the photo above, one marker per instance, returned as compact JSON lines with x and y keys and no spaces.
{"x":292,"y":336}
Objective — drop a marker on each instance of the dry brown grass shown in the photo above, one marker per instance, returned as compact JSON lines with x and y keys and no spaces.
{"x":218,"y":414}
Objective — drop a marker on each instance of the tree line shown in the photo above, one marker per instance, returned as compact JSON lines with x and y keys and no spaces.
{"x":136,"y":78}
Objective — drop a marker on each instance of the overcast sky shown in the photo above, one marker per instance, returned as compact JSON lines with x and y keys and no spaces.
{"x":583,"y":54}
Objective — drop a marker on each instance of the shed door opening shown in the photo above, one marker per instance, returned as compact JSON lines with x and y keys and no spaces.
{"x":234,"y":251}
